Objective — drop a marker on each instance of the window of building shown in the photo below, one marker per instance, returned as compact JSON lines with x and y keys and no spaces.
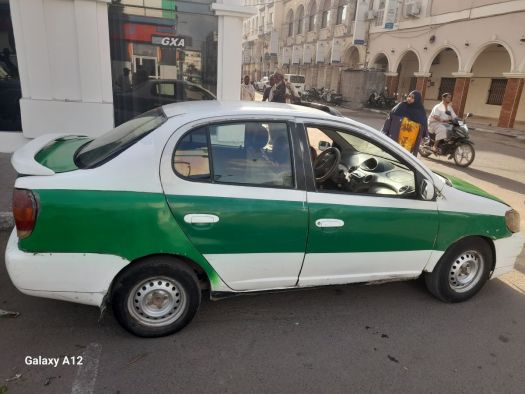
{"x":289,"y":21}
{"x":341,"y":12}
{"x":300,"y":19}
{"x":380,"y":13}
{"x":446,"y":86}
{"x":311,"y":16}
{"x":497,"y":91}
{"x":325,"y":15}
{"x":161,"y":44}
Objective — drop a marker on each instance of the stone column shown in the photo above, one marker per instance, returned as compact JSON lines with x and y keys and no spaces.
{"x":511,"y":99}
{"x":459,"y":96}
{"x":421,"y":83}
{"x":231,"y":14}
{"x":391,"y":83}
{"x":64,"y":64}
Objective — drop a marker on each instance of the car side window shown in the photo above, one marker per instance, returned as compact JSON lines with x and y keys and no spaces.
{"x":194,"y":93}
{"x":190,"y":159}
{"x":252,"y":153}
{"x":247,"y":153}
{"x":346,"y":162}
{"x":165,"y":90}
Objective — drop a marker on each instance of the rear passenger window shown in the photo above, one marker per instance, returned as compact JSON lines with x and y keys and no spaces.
{"x":191,"y":156}
{"x":250,"y":153}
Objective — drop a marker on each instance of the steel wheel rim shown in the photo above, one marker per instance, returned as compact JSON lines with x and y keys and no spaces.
{"x":465,"y":272}
{"x":463,"y":154}
{"x":157,"y":301}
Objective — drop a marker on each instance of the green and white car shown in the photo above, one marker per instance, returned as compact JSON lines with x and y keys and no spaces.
{"x":228,"y":198}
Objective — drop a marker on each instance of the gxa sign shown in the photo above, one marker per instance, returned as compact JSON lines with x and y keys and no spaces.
{"x":177,"y":42}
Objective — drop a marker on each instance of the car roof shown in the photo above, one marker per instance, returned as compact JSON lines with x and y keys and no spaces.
{"x":219,"y":108}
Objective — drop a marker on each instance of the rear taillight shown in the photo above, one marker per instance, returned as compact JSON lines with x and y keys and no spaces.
{"x":24,"y":212}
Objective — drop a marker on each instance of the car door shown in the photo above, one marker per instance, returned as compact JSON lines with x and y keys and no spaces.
{"x":234,"y":189}
{"x":367,"y":222}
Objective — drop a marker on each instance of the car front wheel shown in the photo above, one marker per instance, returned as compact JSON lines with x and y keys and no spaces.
{"x":461,"y":272}
{"x":157,"y":297}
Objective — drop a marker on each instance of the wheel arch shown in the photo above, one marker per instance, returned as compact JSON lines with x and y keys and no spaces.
{"x":204,"y":280}
{"x":433,"y":264}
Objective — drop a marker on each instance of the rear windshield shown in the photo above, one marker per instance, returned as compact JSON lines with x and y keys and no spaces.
{"x":296,"y":79}
{"x":117,"y":140}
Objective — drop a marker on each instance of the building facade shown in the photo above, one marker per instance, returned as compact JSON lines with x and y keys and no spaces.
{"x":475,"y":49}
{"x":85,"y":66}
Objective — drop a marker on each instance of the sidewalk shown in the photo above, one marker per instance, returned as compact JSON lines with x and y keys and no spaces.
{"x":8,"y":174}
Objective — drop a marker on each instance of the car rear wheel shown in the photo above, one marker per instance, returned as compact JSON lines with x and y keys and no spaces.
{"x":156,"y":297}
{"x":461,"y":272}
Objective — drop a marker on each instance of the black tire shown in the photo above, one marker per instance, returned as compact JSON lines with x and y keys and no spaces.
{"x":460,"y":158}
{"x":448,"y":282}
{"x":424,"y":151}
{"x":162,"y":282}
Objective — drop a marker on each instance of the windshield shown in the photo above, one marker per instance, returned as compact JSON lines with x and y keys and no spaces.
{"x":296,"y":79}
{"x":117,"y":140}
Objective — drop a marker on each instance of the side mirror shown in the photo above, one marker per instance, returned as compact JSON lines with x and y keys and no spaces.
{"x":427,"y":190}
{"x":323,"y":145}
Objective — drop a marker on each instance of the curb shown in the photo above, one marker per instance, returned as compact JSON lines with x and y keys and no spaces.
{"x":6,"y":221}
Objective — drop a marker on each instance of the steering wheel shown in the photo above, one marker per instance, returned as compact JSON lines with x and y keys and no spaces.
{"x":326,"y":164}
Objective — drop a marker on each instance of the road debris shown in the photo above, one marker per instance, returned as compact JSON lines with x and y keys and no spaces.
{"x":16,"y":377}
{"x":4,"y":313}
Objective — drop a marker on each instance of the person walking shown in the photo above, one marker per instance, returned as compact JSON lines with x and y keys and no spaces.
{"x":247,"y":90}
{"x":278,"y":92}
{"x":441,"y":114}
{"x":267,"y":90}
{"x":407,"y":123}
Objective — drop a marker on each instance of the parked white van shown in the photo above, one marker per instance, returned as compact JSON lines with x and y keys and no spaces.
{"x":297,"y":81}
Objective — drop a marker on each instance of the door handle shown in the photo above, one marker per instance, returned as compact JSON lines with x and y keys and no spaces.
{"x":323,"y":223}
{"x":197,"y":218}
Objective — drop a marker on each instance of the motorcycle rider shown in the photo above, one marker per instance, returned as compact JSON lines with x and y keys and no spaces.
{"x":442,"y":114}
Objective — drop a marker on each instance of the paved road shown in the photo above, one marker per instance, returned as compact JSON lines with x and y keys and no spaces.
{"x":363,"y":339}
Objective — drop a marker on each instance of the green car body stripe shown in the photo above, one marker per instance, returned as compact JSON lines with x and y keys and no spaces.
{"x":457,"y":225}
{"x":126,"y":224}
{"x":245,"y":225}
{"x":467,"y":187}
{"x":59,"y":155}
{"x":133,"y":225}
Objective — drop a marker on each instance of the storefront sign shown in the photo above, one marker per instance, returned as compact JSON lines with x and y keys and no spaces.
{"x":177,"y":42}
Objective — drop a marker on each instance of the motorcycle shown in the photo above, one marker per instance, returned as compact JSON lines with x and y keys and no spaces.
{"x":456,"y":146}
{"x":331,"y":97}
{"x":380,"y":100}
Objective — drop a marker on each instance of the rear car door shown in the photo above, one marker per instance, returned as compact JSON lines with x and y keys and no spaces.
{"x":234,"y":189}
{"x":367,"y":221}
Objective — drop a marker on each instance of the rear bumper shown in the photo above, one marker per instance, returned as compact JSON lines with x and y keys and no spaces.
{"x":83,"y":278}
{"x":507,"y":251}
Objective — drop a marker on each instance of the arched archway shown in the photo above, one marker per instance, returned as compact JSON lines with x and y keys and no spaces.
{"x":406,"y":67}
{"x":443,"y":64}
{"x":351,"y":58}
{"x":488,"y":85}
{"x":299,"y":15}
{"x":380,"y":62}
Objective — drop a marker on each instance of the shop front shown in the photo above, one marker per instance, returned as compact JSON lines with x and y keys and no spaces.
{"x":85,"y":66}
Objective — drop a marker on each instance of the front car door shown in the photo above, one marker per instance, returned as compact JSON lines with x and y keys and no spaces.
{"x":234,"y":188}
{"x":367,"y":221}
